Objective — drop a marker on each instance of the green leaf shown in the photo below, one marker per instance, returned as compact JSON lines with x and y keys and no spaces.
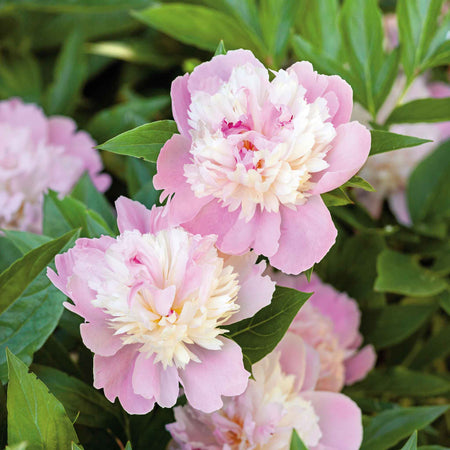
{"x":260,"y":334}
{"x":198,"y":26}
{"x":422,"y":110}
{"x":220,"y":50}
{"x":362,"y":31}
{"x":277,"y":18}
{"x":402,"y":274}
{"x":139,"y":177}
{"x":417,"y":23}
{"x":385,"y":78}
{"x":110,"y":122}
{"x":35,"y":415}
{"x":428,"y":186}
{"x":336,"y":197}
{"x":87,"y":193}
{"x":15,"y":280}
{"x":390,"y":427}
{"x":69,"y":77}
{"x":25,"y":241}
{"x":358,"y":182}
{"x":142,"y":142}
{"x":411,"y":444}
{"x":402,"y":382}
{"x":436,"y":347}
{"x":317,"y":22}
{"x":296,"y":442}
{"x":81,"y":401}
{"x":8,"y":253}
{"x":386,"y":326}
{"x":384,"y":141}
{"x":78,"y":6}
{"x":65,"y":214}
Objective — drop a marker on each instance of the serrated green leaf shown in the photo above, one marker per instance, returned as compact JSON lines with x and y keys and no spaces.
{"x":69,"y":77}
{"x":385,"y":141}
{"x":259,"y":335}
{"x":142,"y":142}
{"x":402,"y":274}
{"x":422,"y":110}
{"x":402,"y":382}
{"x":391,"y":324}
{"x":411,"y":443}
{"x":35,"y":415}
{"x":80,"y":400}
{"x":417,"y":24}
{"x":198,"y":26}
{"x":390,"y":427}
{"x":296,"y":442}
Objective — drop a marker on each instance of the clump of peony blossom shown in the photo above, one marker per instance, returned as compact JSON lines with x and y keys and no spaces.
{"x":329,"y":323}
{"x":389,"y":172}
{"x":154,"y":301}
{"x":279,"y":399}
{"x":36,"y":154}
{"x":254,"y":155}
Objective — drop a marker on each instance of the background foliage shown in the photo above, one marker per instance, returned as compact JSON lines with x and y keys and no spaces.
{"x":109,"y":64}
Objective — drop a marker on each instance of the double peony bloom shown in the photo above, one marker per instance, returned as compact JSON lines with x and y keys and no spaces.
{"x":242,"y":179}
{"x":36,"y":154}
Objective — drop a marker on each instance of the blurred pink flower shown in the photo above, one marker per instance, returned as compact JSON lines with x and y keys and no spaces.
{"x":36,"y":154}
{"x":278,"y":400}
{"x":329,"y":323}
{"x":254,"y":155}
{"x":389,"y":172}
{"x":154,"y":300}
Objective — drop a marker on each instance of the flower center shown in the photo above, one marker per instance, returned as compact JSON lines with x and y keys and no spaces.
{"x":167,"y":292}
{"x":256,"y":142}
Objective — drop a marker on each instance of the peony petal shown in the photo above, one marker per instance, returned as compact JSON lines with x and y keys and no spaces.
{"x":255,"y":290}
{"x":114,"y":374}
{"x":339,"y":420}
{"x":181,"y":99}
{"x":152,"y":381}
{"x":132,"y":215}
{"x":307,"y":234}
{"x":399,"y":206}
{"x":350,"y":149}
{"x":267,"y":233}
{"x":359,"y":365}
{"x":100,"y":339}
{"x":220,"y":372}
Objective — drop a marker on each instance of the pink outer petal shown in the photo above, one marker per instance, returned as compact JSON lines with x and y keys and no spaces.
{"x":100,"y":338}
{"x":210,"y":75}
{"x":350,"y":149}
{"x":267,"y":233}
{"x":181,"y":99}
{"x":340,"y":104}
{"x":255,"y":290}
{"x":359,"y":365}
{"x":307,"y":234}
{"x":297,"y":358}
{"x":132,"y":215}
{"x":220,"y":372}
{"x":339,"y":420}
{"x":152,"y":381}
{"x":214,"y":219}
{"x":372,"y":201}
{"x":114,"y":374}
{"x":399,"y":206}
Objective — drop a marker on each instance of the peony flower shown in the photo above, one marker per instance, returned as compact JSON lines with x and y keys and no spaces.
{"x":154,"y":300}
{"x":37,"y":154}
{"x":254,"y":155}
{"x":278,"y":400}
{"x":389,"y":172}
{"x":329,"y":324}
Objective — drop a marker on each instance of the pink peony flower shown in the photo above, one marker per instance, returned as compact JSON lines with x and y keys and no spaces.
{"x":154,"y":300}
{"x":329,"y":324}
{"x":279,"y":399}
{"x":389,"y":172}
{"x":254,"y":155}
{"x":37,"y":154}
